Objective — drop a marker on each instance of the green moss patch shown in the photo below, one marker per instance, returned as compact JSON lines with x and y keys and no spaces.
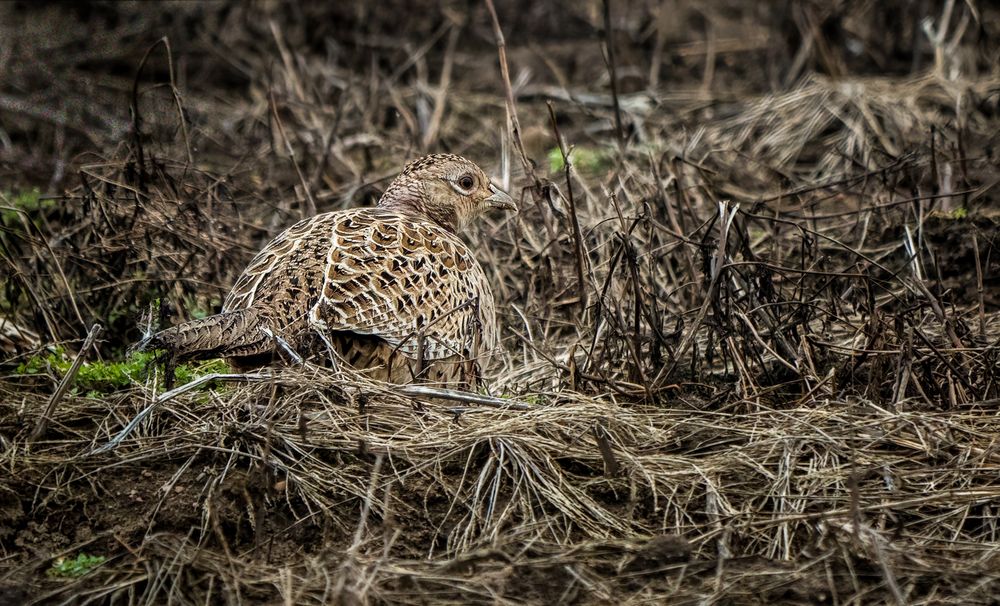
{"x":104,"y":377}
{"x":72,"y":568}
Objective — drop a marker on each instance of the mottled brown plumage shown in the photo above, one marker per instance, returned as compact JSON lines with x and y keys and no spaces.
{"x":391,"y":289}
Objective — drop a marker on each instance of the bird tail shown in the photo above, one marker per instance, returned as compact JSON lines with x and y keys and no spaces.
{"x":229,"y":334}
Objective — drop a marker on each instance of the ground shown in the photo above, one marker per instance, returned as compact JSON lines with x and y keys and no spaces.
{"x":749,"y":304}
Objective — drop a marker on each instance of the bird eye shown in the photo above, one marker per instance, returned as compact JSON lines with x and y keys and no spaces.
{"x":466,"y":182}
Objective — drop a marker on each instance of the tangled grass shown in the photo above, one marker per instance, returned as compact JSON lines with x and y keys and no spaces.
{"x":750,"y":331}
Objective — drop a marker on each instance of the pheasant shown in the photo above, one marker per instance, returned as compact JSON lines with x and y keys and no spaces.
{"x":390,"y":289}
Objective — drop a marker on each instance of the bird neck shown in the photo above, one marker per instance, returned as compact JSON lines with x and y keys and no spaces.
{"x":443,"y":215}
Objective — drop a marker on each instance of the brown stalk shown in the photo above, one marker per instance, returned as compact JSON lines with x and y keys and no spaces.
{"x":979,"y":286}
{"x":609,"y":48}
{"x":578,"y":246}
{"x":64,"y":385}
{"x":611,"y":466}
{"x":514,"y":123}
{"x":719,"y":259}
{"x":310,"y":209}
{"x":441,"y":94}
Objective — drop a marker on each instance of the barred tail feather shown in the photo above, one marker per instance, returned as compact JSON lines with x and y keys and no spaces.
{"x":232,"y":333}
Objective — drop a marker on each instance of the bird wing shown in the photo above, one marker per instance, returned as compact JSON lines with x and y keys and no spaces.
{"x":407,"y":281}
{"x":283,"y":280}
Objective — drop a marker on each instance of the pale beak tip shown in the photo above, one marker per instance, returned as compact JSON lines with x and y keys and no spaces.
{"x":501,"y":200}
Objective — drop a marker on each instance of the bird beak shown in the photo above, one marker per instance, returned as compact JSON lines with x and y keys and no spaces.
{"x":500,"y":199}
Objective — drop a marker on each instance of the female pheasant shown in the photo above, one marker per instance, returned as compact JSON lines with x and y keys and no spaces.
{"x":390,"y":289}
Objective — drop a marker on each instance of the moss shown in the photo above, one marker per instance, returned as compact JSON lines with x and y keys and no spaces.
{"x":31,"y":202}
{"x":97,"y":378}
{"x":71,"y":568}
{"x":38,"y":364}
{"x":586,"y":160}
{"x":533,"y":398}
{"x":528,"y":398}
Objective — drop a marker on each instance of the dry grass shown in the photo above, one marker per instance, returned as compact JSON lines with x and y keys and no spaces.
{"x":757,"y":341}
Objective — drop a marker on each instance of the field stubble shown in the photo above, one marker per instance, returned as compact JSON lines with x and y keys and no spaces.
{"x":749,"y":311}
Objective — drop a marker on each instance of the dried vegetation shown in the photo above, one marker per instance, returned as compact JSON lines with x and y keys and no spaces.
{"x":749,"y":306}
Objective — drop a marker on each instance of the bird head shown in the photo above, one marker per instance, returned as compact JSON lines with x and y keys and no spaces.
{"x":447,"y":189}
